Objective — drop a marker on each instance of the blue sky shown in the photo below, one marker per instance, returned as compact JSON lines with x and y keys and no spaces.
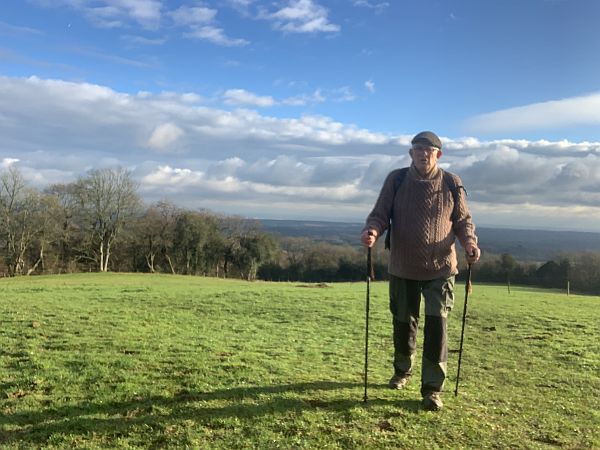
{"x":299,"y":108}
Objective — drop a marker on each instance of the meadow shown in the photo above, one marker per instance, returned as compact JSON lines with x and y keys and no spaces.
{"x":158,"y":361}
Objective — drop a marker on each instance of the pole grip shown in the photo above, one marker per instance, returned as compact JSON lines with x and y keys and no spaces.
{"x":370,"y":270}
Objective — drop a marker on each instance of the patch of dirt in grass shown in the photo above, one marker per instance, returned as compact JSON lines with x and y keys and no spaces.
{"x":315,"y":403}
{"x":535,"y":338}
{"x":223,"y":356}
{"x":17,"y":394}
{"x":132,"y":413}
{"x":385,"y":425}
{"x":130,"y":352}
{"x":316,"y":285}
{"x":548,"y":439}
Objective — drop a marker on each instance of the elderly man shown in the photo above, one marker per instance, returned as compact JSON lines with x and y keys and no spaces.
{"x":423,"y":208}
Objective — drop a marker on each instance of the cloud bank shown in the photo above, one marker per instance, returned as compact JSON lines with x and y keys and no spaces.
{"x":582,"y":110}
{"x":241,"y":161}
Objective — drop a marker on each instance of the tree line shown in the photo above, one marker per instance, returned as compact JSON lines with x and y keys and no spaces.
{"x":99,"y":223}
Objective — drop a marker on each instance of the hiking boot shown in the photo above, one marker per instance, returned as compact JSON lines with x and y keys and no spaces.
{"x":398,"y":381}
{"x":432,"y":401}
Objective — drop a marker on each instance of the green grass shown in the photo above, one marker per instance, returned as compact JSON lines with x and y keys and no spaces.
{"x":155,"y":361}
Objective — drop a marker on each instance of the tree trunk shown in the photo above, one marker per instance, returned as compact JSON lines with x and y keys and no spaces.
{"x":107,"y":256}
{"x":170,"y":263}
{"x":40,"y":260}
{"x":102,"y":256}
{"x":150,"y":262}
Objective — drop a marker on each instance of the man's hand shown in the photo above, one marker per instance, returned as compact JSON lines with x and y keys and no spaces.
{"x":368,"y":238}
{"x":473,"y":253}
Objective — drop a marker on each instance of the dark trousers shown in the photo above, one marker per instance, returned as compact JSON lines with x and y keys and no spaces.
{"x":405,"y":303}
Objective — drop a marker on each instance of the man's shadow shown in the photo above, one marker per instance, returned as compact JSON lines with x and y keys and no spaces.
{"x":243,"y":403}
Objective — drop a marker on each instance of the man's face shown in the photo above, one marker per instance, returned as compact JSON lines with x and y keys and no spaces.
{"x":424,"y":157}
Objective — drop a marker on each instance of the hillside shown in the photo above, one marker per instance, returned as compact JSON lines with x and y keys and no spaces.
{"x":525,"y":245}
{"x":139,"y":361}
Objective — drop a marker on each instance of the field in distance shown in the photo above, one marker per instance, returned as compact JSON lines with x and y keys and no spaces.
{"x":153,"y":361}
{"x":525,"y":245}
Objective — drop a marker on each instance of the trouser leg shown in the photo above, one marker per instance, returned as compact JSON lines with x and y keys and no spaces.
{"x":439,"y":299}
{"x":405,"y":298}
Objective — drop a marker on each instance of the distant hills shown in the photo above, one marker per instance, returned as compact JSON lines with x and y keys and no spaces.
{"x":524,"y":245}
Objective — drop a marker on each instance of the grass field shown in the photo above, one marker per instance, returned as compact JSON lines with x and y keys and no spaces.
{"x":155,"y":361}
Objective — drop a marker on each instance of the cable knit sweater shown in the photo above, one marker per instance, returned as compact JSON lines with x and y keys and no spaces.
{"x":425,"y":224}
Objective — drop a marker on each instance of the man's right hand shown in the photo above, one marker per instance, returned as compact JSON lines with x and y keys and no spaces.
{"x":368,"y":238}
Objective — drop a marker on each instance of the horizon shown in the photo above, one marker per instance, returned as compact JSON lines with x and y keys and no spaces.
{"x":300,"y":108}
{"x":479,"y":226}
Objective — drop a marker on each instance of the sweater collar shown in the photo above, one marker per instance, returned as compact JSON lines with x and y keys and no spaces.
{"x":429,"y":176}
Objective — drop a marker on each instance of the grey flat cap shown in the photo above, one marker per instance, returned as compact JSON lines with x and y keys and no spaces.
{"x":429,"y":138}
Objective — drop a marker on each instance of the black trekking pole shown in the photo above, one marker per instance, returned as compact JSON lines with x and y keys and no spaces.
{"x":464,"y":319}
{"x":370,"y":276}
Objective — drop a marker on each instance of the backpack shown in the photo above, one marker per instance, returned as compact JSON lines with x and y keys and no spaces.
{"x":448,"y":180}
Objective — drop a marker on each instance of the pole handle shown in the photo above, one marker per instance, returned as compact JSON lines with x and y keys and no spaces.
{"x":370,"y":270}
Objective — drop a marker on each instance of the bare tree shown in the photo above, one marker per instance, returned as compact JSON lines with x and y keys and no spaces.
{"x":155,"y":234}
{"x":24,"y":222}
{"x":107,"y":200}
{"x":193,"y":232}
{"x":69,"y":246}
{"x":46,"y":223}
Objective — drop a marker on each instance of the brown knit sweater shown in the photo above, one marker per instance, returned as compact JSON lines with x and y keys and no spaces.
{"x":425,"y":224}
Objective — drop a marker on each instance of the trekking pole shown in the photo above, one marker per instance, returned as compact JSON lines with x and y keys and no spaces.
{"x":370,"y":276}
{"x":464,"y":319}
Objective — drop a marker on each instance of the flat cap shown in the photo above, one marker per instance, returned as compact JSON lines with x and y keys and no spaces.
{"x":429,"y":138}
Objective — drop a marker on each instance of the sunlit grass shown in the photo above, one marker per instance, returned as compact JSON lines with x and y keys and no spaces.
{"x":156,"y":361}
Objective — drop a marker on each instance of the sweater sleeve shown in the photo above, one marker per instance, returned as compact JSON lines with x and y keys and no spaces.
{"x":463,"y":226}
{"x":379,"y":218}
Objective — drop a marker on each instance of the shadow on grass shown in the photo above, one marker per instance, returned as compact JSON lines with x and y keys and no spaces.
{"x":158,"y":412}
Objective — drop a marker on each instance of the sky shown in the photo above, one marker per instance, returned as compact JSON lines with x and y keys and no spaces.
{"x":298,"y":109}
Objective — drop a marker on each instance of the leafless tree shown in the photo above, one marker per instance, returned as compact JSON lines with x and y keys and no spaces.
{"x":24,"y":222}
{"x":155,"y":234}
{"x":107,"y":200}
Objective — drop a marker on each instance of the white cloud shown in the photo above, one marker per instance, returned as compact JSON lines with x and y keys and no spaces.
{"x":199,"y":21}
{"x":370,"y":86}
{"x":243,"y":97}
{"x":116,"y":13}
{"x":305,"y":167}
{"x":198,"y":15}
{"x":302,"y":16}
{"x":377,"y":6}
{"x":305,"y":99}
{"x":241,"y":5}
{"x":216,"y":36}
{"x":7,"y":28}
{"x":164,"y":136}
{"x":342,"y":94}
{"x":244,"y":3}
{"x":550,"y":115}
{"x":201,"y":24}
{"x":7,"y":162}
{"x":141,"y":40}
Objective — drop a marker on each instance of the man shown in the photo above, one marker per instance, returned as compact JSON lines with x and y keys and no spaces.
{"x":425,"y":209}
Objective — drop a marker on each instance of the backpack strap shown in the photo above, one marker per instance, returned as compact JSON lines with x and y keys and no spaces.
{"x":397,"y":183}
{"x":449,"y":181}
